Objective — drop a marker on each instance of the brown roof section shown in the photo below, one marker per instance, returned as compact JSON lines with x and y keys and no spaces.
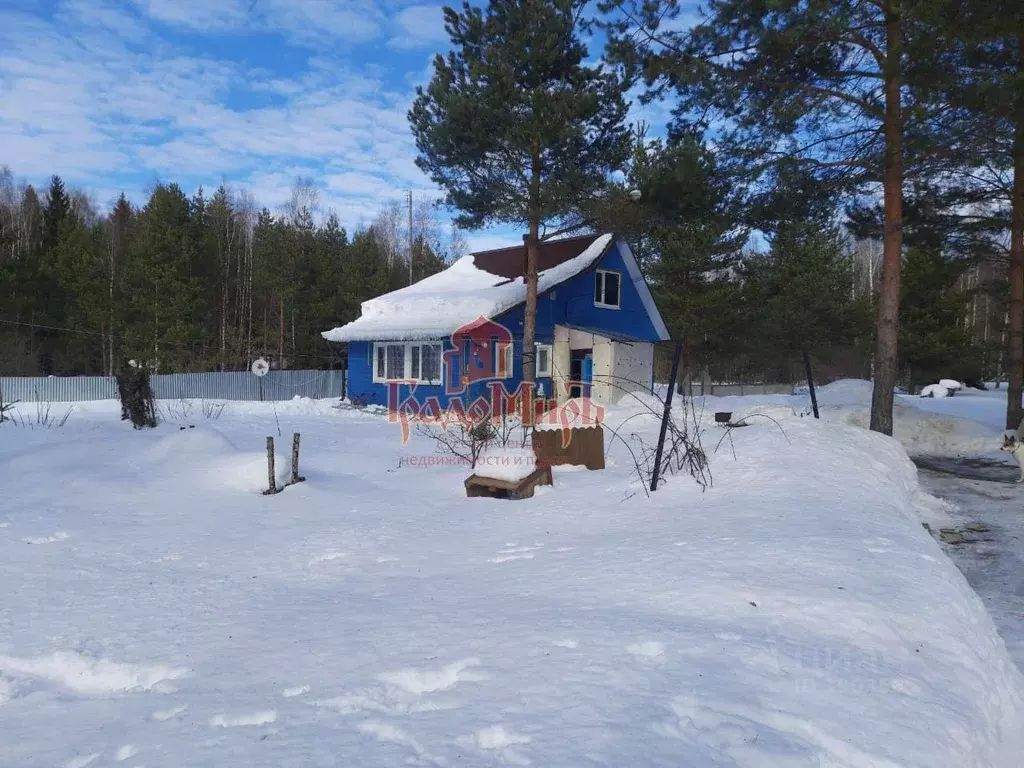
{"x":510,"y":262}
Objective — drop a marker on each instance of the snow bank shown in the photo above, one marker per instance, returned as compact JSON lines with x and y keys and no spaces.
{"x":436,"y":306}
{"x":959,"y":426}
{"x":935,"y":390}
{"x":924,"y":433}
{"x":843,"y":392}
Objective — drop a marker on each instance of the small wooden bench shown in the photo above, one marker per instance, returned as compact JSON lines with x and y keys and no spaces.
{"x":508,"y":489}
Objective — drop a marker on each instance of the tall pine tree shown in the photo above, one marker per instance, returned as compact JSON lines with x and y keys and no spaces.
{"x":516,"y":128}
{"x":821,"y":84}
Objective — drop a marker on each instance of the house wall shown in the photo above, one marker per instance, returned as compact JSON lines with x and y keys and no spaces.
{"x":633,"y":368}
{"x":571,"y":303}
{"x":362,"y":388}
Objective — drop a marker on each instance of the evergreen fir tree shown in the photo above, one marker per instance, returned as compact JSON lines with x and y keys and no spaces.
{"x":933,"y":341}
{"x":797,"y":297}
{"x":58,"y":205}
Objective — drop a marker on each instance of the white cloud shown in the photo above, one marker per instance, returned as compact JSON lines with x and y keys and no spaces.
{"x":420,"y":26}
{"x":101,"y":95}
{"x":105,"y":17}
{"x":308,"y":22}
{"x":200,"y":15}
{"x":492,"y":240}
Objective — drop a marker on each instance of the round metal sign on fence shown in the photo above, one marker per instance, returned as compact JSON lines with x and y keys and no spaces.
{"x":260,"y":367}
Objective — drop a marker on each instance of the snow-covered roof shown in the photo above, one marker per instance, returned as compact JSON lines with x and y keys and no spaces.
{"x":437,"y":305}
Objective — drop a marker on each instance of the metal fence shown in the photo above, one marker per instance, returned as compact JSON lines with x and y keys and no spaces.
{"x":276,"y":385}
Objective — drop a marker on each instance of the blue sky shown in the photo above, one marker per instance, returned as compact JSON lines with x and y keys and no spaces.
{"x":253,"y":93}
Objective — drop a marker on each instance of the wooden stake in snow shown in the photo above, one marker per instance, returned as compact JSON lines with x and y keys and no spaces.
{"x":271,"y":475}
{"x":666,"y":415}
{"x":810,"y":383}
{"x":295,"y":459}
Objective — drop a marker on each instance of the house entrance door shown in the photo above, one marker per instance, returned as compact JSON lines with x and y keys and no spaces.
{"x":581,"y":372}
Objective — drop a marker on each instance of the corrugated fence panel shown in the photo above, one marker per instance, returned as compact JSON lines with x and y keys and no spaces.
{"x":276,"y":385}
{"x":57,"y":389}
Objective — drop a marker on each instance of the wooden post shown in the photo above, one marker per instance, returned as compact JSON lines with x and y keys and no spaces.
{"x":271,"y":475}
{"x":666,"y":415}
{"x":295,"y":459}
{"x":810,"y":383}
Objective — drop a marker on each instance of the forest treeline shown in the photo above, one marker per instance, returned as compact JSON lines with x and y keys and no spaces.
{"x":190,"y":283}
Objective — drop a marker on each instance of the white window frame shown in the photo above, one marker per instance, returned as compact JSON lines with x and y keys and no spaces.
{"x":510,"y":359}
{"x":599,"y":282}
{"x":547,"y":372}
{"x":407,"y":347}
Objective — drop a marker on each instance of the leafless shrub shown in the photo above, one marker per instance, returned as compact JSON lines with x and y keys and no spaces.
{"x":175,"y":410}
{"x":466,"y":441}
{"x":212,"y":410}
{"x":5,"y":406}
{"x":44,"y":418}
{"x":682,"y":452}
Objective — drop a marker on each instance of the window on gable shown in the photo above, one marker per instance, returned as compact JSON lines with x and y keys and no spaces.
{"x":607,"y":287}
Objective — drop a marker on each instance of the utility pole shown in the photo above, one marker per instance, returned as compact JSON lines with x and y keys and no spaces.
{"x":410,"y":237}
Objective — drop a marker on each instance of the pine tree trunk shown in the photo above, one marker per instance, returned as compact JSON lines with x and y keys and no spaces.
{"x":530,"y":311}
{"x":114,"y":242}
{"x":1015,"y":334}
{"x":156,"y":332}
{"x":886,"y":359}
{"x":280,"y":343}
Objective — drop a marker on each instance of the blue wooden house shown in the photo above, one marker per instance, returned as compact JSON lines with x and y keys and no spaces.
{"x":453,"y":333}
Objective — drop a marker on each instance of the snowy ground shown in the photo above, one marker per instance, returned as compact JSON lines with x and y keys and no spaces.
{"x":158,"y":611}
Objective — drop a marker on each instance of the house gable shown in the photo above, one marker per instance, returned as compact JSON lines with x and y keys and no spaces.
{"x":572,"y":303}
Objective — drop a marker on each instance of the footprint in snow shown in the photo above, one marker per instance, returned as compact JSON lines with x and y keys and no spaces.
{"x":565,"y":644}
{"x":81,"y":762}
{"x":497,"y":740}
{"x":59,"y":536}
{"x":125,"y":752}
{"x":166,"y":714}
{"x":326,"y":557}
{"x":420,"y":681}
{"x":512,"y":552}
{"x":291,"y":693}
{"x":239,"y":721}
{"x":647,"y":651}
{"x":402,"y":691}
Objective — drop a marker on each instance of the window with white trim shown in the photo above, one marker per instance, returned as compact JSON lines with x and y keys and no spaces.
{"x":407,"y":361}
{"x":607,"y":288}
{"x":543,"y":358}
{"x":508,"y":364}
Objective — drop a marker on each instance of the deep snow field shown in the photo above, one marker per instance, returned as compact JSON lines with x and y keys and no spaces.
{"x":156,"y":610}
